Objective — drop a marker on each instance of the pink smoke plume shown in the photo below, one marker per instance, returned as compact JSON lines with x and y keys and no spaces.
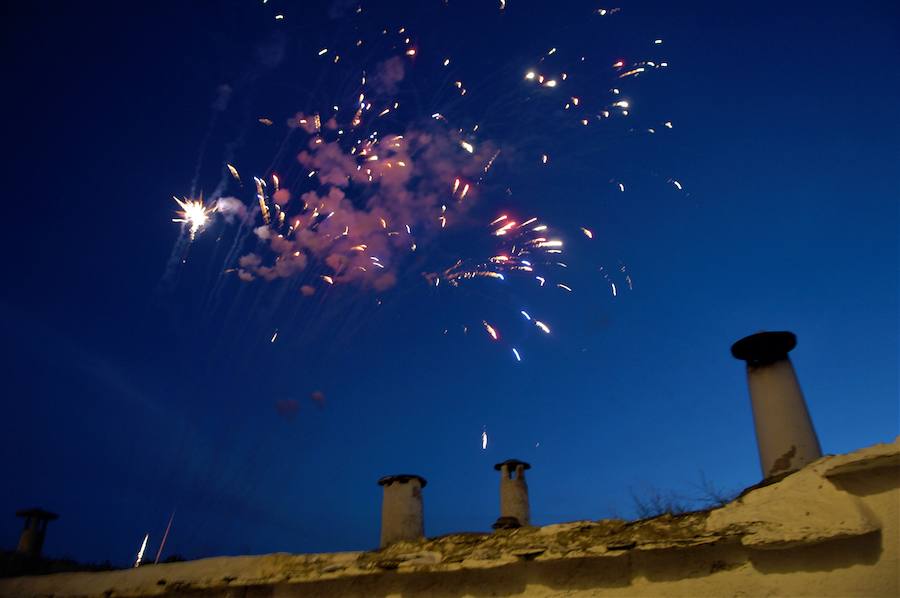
{"x":373,"y":204}
{"x":388,"y":74}
{"x":287,"y":408}
{"x":231,"y":208}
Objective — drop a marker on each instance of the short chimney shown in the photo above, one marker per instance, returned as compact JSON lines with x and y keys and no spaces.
{"x":401,"y":508}
{"x":784,"y":431}
{"x":32,"y":539}
{"x":514,"y":509}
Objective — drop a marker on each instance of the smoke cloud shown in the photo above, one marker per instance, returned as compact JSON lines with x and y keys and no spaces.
{"x":231,"y":208}
{"x":373,"y":204}
{"x":388,"y":74}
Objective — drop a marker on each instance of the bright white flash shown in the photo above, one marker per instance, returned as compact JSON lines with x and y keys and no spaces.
{"x":193,"y":213}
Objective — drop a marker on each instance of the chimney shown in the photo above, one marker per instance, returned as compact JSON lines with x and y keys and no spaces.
{"x":32,"y":539}
{"x":401,"y":508}
{"x":784,"y":432}
{"x":514,"y":510}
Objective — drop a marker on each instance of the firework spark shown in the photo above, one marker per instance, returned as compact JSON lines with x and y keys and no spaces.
{"x":233,"y":172}
{"x":193,"y":213}
{"x":140,"y":554}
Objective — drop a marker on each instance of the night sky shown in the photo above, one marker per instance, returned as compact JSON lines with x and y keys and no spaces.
{"x":130,"y":391}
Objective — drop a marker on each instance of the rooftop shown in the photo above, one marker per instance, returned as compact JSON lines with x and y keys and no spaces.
{"x":774,"y":527}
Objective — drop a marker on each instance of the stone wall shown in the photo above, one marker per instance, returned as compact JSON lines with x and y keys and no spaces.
{"x":830,"y":529}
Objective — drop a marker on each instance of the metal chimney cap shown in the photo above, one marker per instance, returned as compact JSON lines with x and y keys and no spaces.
{"x":37,"y":513}
{"x":402,"y":478}
{"x":512,"y":464}
{"x":764,"y":347}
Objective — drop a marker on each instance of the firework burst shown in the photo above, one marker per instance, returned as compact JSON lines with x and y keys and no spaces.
{"x":371,"y":187}
{"x":193,"y":213}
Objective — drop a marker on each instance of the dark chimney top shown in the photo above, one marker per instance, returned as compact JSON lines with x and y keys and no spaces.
{"x":402,"y":478}
{"x":512,"y":464}
{"x":764,"y":348}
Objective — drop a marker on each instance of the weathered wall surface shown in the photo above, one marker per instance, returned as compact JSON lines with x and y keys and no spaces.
{"x":831,"y":529}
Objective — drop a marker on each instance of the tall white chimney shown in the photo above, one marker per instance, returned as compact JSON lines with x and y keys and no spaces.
{"x":514,"y":508}
{"x":401,"y":508}
{"x":784,"y":431}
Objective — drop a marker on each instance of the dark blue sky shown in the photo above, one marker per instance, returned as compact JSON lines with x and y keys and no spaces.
{"x":124,"y":400}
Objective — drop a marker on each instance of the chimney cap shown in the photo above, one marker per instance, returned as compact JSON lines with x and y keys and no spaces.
{"x":764,"y":347}
{"x":37,"y":513}
{"x":402,"y":478}
{"x":512,"y":464}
